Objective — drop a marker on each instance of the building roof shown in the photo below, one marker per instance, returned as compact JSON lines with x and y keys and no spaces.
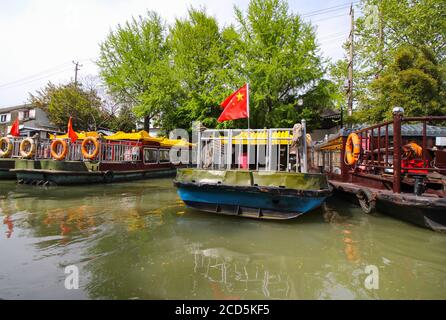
{"x":411,"y":130}
{"x":19,"y":107}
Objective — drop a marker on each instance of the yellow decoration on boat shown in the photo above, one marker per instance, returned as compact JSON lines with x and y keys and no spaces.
{"x":80,"y":135}
{"x":178,"y":142}
{"x":137,"y":136}
{"x":140,"y":136}
{"x":256,"y":138}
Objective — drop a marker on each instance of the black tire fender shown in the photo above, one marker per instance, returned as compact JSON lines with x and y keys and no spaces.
{"x":108,"y":176}
{"x":367,"y":200}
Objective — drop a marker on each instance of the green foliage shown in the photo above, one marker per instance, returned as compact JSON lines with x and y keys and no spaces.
{"x":383,"y":29}
{"x":278,"y":55}
{"x":414,"y":80}
{"x":67,"y":100}
{"x":135,"y":67}
{"x":180,"y":74}
{"x":124,"y":121}
{"x":199,"y":62}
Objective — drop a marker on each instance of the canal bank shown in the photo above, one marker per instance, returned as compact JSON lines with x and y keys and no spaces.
{"x":138,"y":241}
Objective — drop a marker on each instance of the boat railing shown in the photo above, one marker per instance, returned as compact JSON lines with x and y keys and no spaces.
{"x":255,"y":149}
{"x":116,"y":151}
{"x":381,"y":145}
{"x":403,"y":147}
{"x":42,"y":150}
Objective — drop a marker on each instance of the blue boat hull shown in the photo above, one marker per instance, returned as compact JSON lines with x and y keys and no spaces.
{"x":263,"y":205}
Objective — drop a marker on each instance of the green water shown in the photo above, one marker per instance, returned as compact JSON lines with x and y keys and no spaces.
{"x":138,"y":241}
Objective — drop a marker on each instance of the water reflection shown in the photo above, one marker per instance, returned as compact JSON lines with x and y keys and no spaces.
{"x":232,"y":277}
{"x":138,"y":241}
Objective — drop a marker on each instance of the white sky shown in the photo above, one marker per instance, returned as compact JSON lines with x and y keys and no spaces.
{"x":39,"y":39}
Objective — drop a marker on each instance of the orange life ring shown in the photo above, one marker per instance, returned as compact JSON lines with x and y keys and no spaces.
{"x":5,"y":153}
{"x":32,"y":148}
{"x":85,"y":153}
{"x":59,"y":156}
{"x":352,"y":149}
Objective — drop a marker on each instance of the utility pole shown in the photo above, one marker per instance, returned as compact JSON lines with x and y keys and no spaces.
{"x":76,"y":69}
{"x":381,"y":40}
{"x":350,"y":64}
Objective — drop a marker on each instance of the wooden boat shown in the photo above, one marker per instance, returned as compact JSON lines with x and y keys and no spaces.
{"x":399,"y":168}
{"x":116,"y":158}
{"x":250,"y":187}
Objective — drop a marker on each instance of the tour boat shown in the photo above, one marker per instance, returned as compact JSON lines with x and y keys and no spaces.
{"x":257,"y":180}
{"x":396,"y":167}
{"x":93,"y":158}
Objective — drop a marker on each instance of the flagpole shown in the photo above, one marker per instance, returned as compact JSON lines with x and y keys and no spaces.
{"x":247,"y":98}
{"x":249,"y":131}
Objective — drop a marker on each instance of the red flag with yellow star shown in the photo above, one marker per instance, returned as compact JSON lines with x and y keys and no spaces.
{"x":236,"y":105}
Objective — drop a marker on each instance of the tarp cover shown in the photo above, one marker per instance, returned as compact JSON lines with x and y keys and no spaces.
{"x":292,"y":180}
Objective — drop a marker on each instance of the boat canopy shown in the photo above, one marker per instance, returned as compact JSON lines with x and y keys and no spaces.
{"x":139,"y":136}
{"x":260,"y":137}
{"x":133,"y":136}
{"x":80,"y":135}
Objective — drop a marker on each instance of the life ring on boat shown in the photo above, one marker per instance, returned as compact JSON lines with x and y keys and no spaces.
{"x":56,"y":155}
{"x":352,"y":149}
{"x":5,"y":153}
{"x":94,"y":153}
{"x":367,"y":200}
{"x":28,"y":143}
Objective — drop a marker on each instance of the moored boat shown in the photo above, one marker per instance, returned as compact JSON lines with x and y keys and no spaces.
{"x":100,"y":159}
{"x":252,"y":194}
{"x":396,"y":167}
{"x":250,"y":173}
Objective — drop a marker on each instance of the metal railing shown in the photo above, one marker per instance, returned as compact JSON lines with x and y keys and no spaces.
{"x":42,"y":148}
{"x":255,"y":149}
{"x":109,"y":151}
{"x":381,"y":154}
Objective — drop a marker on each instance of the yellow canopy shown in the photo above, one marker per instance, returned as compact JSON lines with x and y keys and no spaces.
{"x":120,"y":135}
{"x":279,"y":137}
{"x":80,"y":135}
{"x":141,"y":136}
{"x":179,"y":143}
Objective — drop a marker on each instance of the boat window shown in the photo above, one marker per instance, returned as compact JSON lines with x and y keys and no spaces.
{"x":150,"y":155}
{"x":164,"y":155}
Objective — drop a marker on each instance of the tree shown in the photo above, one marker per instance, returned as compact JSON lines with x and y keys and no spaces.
{"x":414,"y":80}
{"x":63,"y":101}
{"x":134,"y":63}
{"x":125,"y":120}
{"x":279,"y":57}
{"x":181,"y":74}
{"x":201,"y":63}
{"x":384,"y":27}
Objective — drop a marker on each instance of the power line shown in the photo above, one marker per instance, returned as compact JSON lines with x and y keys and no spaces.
{"x":34,"y":75}
{"x":34,"y":80}
{"x":328,"y":18}
{"x":328,"y":9}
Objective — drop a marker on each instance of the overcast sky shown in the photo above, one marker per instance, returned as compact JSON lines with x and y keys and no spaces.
{"x":39,"y":39}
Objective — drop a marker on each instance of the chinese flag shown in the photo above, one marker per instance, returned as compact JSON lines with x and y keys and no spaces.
{"x":71,"y":133}
{"x":235,"y":106}
{"x":15,"y":128}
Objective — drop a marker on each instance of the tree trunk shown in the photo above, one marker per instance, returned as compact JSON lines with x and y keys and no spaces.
{"x":147,"y":123}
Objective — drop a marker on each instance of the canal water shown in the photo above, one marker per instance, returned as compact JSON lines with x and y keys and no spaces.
{"x":138,"y":241}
